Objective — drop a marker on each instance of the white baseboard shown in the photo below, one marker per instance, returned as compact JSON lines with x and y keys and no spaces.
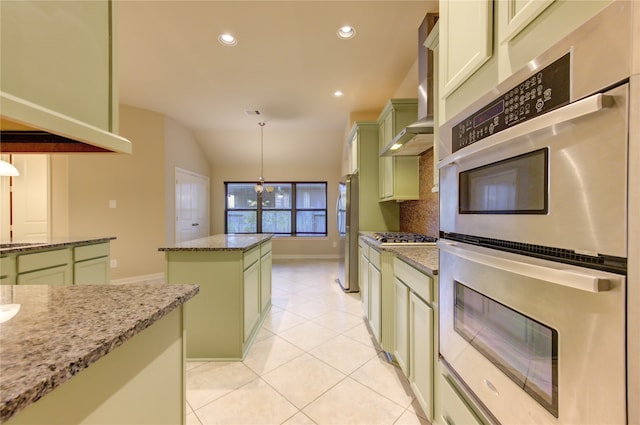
{"x":306,"y":257}
{"x":147,"y":278}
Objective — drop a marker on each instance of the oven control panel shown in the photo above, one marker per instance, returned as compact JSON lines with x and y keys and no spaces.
{"x":547,"y":89}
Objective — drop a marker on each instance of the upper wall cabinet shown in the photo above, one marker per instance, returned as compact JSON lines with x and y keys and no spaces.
{"x":398,"y":175}
{"x":466,"y":40}
{"x":514,"y":15}
{"x":58,"y":70}
{"x":58,"y":55}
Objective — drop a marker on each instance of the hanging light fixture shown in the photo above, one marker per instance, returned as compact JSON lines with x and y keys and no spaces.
{"x":260,"y":187}
{"x":7,"y":169}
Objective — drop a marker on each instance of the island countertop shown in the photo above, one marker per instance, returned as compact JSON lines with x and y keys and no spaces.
{"x":35,"y":244}
{"x":222,"y":242}
{"x":61,"y":330}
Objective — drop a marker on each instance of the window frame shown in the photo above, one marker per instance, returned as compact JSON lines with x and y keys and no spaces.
{"x":293,"y":210}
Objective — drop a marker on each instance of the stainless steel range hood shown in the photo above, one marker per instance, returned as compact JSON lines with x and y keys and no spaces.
{"x":412,"y":140}
{"x":417,"y":137}
{"x":26,"y":127}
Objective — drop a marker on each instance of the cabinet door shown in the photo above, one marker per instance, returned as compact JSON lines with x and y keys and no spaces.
{"x":514,"y":15}
{"x":73,"y":39}
{"x":94,"y":271}
{"x":363,"y":280}
{"x":463,"y":52}
{"x":251,"y":298}
{"x":61,"y":275}
{"x":265,"y":281}
{"x":375,"y":292}
{"x":401,"y":344}
{"x":421,"y":353}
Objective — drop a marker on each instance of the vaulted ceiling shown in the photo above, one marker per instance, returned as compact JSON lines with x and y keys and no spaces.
{"x":287,"y":64}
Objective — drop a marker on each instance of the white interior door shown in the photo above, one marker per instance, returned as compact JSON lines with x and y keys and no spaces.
{"x":31,"y":194}
{"x":191,"y":205}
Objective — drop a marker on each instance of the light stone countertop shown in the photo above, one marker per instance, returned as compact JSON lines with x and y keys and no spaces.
{"x":222,"y":242}
{"x":61,"y":330}
{"x":36,"y":244}
{"x":424,"y":258}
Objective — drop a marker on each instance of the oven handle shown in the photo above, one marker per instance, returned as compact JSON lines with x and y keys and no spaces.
{"x":572,"y":111}
{"x":557,"y":273}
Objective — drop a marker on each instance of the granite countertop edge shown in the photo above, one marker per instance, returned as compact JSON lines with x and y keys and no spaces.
{"x":423,"y":258}
{"x":39,"y":388}
{"x":36,"y":245}
{"x":222,"y":242}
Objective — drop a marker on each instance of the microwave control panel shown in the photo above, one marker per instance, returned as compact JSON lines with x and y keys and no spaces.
{"x":544,"y":91}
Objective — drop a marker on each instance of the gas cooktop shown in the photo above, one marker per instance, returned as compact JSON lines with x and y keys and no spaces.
{"x":403,"y":238}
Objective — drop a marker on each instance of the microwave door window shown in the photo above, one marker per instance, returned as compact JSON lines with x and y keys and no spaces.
{"x":516,"y":185}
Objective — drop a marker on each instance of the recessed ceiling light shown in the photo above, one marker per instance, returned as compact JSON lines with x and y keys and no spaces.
{"x":346,"y":32}
{"x":227,"y":39}
{"x":338,"y":93}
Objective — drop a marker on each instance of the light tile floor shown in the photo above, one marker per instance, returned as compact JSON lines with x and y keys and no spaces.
{"x":313,"y":362}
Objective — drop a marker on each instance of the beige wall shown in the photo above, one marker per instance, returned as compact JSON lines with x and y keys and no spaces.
{"x":283,"y":247}
{"x":183,"y":151}
{"x":136,"y":183}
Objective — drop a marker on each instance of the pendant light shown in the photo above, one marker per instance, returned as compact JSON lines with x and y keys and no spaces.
{"x":260,"y":187}
{"x":7,"y":169}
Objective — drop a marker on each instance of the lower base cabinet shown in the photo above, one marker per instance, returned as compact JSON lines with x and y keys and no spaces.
{"x":415,"y":331}
{"x":235,"y":295}
{"x":421,"y":352}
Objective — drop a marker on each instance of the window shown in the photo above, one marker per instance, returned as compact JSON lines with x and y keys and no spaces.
{"x":287,"y":209}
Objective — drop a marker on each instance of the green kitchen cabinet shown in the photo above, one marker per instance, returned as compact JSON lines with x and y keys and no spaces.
{"x":234,"y":298}
{"x":415,"y":330}
{"x":483,"y":42}
{"x":372,"y":214}
{"x":266,"y":259}
{"x":52,"y":267}
{"x":370,"y":281}
{"x":251,"y":283}
{"x":91,"y":264}
{"x":398,"y":178}
{"x":60,"y":55}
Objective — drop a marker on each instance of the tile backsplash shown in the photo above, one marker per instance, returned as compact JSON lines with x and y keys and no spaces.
{"x":421,"y":216}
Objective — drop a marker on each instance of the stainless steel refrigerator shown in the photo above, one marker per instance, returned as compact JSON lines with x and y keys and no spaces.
{"x":347,"y":218}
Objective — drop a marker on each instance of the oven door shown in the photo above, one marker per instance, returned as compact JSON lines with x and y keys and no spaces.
{"x":536,"y":342}
{"x":558,"y":180}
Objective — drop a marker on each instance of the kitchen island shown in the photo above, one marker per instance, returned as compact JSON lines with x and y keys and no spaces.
{"x":234,"y":275}
{"x":93,"y":354}
{"x":55,"y":261}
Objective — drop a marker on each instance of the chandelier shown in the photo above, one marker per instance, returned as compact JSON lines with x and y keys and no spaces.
{"x":260,"y":187}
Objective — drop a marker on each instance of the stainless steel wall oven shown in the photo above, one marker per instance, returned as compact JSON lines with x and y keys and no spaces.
{"x":534,"y":213}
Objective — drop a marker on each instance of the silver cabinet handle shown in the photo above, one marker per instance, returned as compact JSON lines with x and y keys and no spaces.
{"x":558,"y":273}
{"x":570,"y":112}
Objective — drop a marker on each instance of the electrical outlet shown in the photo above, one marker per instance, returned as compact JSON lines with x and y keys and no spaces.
{"x":114,"y":264}
{"x":335,"y":244}
{"x":112,"y":203}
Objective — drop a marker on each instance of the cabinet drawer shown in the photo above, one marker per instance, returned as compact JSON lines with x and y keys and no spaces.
{"x":265,"y":248}
{"x":43,"y":260}
{"x":251,"y":257}
{"x":87,"y":252}
{"x":452,"y":408}
{"x":374,"y":257}
{"x":364,"y":248}
{"x":417,"y":281}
